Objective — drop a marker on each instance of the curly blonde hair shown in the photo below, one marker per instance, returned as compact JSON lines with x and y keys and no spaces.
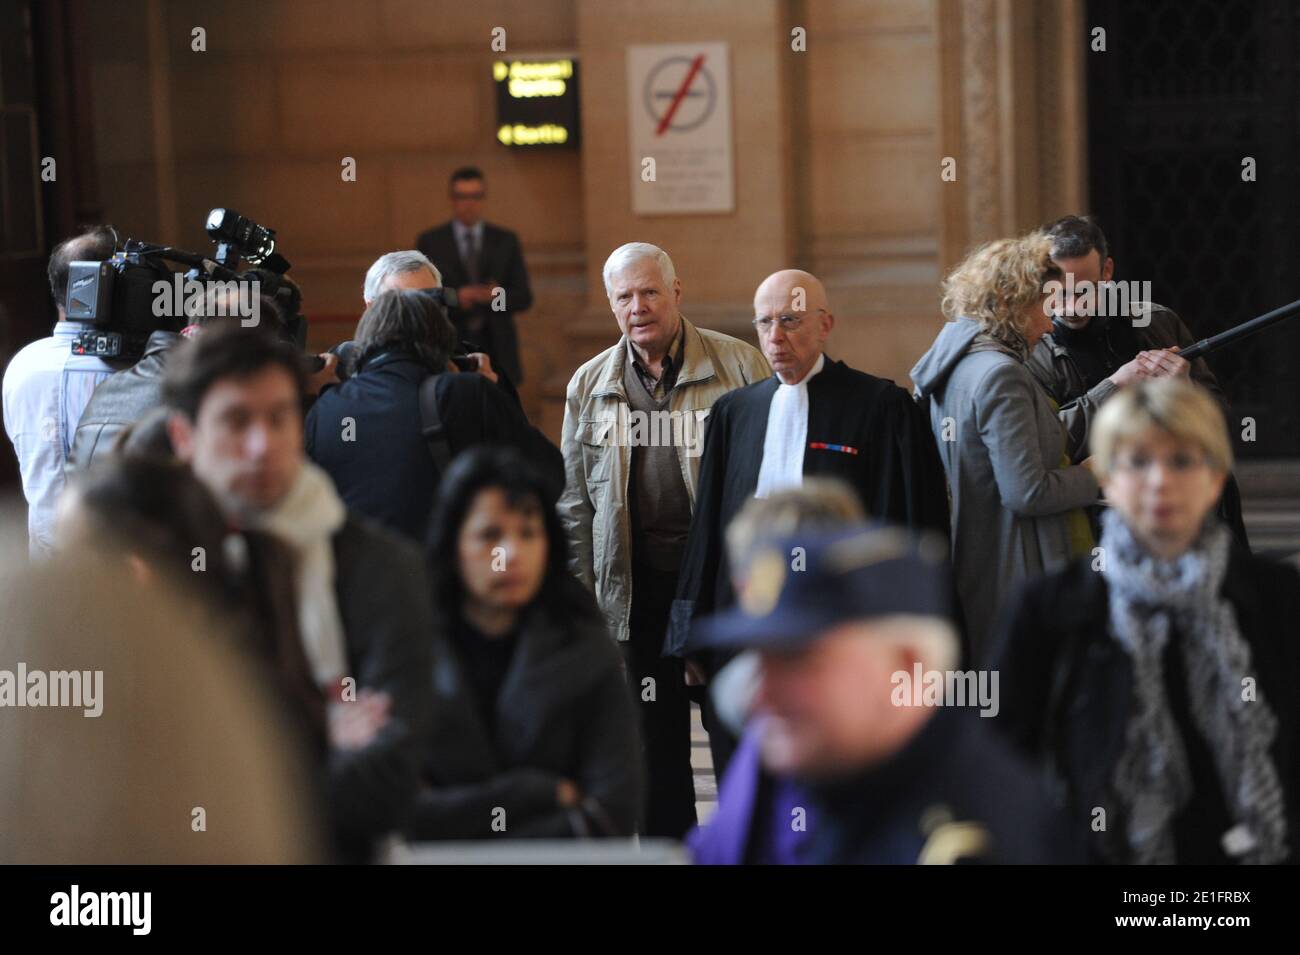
{"x":997,"y":282}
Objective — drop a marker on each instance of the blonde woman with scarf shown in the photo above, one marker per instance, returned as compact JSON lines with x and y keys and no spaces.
{"x":1155,"y":682}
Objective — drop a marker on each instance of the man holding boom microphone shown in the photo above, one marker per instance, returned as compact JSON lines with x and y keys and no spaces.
{"x":1090,"y":352}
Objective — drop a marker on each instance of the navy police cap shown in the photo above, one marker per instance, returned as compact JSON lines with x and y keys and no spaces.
{"x":799,"y":585}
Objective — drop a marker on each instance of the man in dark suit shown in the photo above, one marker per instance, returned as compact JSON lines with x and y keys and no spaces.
{"x":485,"y":265}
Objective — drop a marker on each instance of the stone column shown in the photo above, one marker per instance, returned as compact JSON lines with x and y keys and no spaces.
{"x":1011,"y":115}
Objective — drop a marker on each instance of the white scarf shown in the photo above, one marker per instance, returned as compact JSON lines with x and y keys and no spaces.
{"x":787,"y":436}
{"x":307,"y":520}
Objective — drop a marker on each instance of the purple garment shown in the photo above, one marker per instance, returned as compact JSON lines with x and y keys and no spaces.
{"x":755,"y":815}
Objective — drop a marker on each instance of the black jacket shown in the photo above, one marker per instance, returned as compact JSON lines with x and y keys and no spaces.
{"x":1058,"y":371}
{"x":891,"y":462}
{"x":121,"y":400}
{"x":564,"y":712}
{"x":501,"y":259}
{"x":1066,"y":685}
{"x":383,"y":598}
{"x":386,"y":471}
{"x":955,"y":776}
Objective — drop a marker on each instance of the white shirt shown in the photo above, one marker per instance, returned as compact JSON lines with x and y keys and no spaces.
{"x":787,"y":436}
{"x":46,"y":388}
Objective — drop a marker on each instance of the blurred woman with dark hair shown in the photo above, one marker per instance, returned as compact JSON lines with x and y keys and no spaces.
{"x":534,"y":732}
{"x":369,"y":432}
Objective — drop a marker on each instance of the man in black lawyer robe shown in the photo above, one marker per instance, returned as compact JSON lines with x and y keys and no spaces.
{"x":814,"y":417}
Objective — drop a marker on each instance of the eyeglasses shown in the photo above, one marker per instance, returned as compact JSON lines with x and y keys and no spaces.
{"x":788,"y":322}
{"x":1179,"y":463}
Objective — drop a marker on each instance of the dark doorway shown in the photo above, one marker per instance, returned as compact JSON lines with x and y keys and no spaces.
{"x":1185,"y":91}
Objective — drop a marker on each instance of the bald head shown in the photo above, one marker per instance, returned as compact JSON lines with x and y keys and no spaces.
{"x":781,"y":289}
{"x":782,"y":298}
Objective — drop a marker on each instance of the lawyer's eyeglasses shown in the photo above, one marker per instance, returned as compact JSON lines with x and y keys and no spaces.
{"x":789,"y":322}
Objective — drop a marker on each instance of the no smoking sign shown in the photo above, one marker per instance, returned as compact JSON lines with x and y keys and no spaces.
{"x":680,"y":94}
{"x":679,"y":128}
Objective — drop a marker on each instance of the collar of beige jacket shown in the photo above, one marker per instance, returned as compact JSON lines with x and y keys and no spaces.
{"x":696,"y":364}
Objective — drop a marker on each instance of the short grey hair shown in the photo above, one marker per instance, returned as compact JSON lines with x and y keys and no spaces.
{"x":632,"y":252}
{"x":396,"y":263}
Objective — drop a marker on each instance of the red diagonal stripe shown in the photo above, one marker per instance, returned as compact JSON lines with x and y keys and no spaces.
{"x":681,"y":94}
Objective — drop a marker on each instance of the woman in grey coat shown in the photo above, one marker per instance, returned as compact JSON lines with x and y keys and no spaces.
{"x":1017,"y":504}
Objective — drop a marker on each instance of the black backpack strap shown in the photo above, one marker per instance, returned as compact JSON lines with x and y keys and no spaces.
{"x":431,"y":424}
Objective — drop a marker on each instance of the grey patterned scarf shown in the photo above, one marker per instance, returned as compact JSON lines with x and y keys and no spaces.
{"x":1151,"y":598}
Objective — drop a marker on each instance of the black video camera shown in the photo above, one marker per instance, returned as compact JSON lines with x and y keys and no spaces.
{"x":116,"y":297}
{"x":136,"y":293}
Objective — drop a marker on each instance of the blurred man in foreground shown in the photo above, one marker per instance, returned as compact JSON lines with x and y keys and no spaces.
{"x":853,"y":639}
{"x":361,"y":594}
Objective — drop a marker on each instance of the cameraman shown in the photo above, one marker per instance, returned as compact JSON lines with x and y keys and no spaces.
{"x":129,"y":396}
{"x":46,"y":388}
{"x":367,"y":433}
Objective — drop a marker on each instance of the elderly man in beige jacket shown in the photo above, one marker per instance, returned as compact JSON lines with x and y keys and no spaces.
{"x":634,"y":421}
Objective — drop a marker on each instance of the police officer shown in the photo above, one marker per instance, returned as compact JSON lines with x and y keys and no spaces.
{"x":864,"y":743}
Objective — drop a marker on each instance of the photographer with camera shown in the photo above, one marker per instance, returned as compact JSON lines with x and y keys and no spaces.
{"x":387,"y":433}
{"x":412,"y":270}
{"x":46,"y":387}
